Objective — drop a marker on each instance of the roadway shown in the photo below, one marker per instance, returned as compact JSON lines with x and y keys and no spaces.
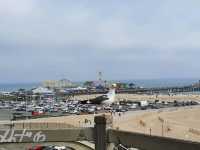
{"x":26,"y":146}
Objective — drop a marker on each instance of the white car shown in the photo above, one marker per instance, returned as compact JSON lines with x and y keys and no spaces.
{"x":60,"y":147}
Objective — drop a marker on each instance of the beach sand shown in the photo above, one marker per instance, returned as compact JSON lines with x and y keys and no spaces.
{"x":136,"y":97}
{"x":181,"y":123}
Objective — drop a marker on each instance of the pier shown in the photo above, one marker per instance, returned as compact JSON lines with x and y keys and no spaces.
{"x":160,"y":90}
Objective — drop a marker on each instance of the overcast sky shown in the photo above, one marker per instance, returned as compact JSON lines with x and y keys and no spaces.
{"x":74,"y":39}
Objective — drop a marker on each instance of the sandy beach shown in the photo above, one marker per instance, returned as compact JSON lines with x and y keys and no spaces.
{"x":136,"y":97}
{"x":181,"y":123}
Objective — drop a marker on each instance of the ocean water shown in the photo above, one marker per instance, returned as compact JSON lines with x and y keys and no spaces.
{"x":151,"y":83}
{"x":147,"y":83}
{"x":14,"y":87}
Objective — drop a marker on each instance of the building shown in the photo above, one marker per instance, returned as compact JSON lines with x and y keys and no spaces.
{"x":64,"y":83}
{"x":41,"y":90}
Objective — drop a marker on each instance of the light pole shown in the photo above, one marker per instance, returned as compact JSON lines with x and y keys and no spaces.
{"x":199,"y":86}
{"x":26,"y":108}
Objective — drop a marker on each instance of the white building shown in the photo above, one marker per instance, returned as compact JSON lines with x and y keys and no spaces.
{"x":42,"y":90}
{"x":64,"y":83}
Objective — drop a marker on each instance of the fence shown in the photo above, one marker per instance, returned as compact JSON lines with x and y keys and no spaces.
{"x":101,"y":134}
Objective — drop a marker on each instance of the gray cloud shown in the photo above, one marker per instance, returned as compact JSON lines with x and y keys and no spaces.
{"x":55,"y":39}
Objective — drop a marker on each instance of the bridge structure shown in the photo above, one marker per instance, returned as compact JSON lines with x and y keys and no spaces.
{"x":102,"y":135}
